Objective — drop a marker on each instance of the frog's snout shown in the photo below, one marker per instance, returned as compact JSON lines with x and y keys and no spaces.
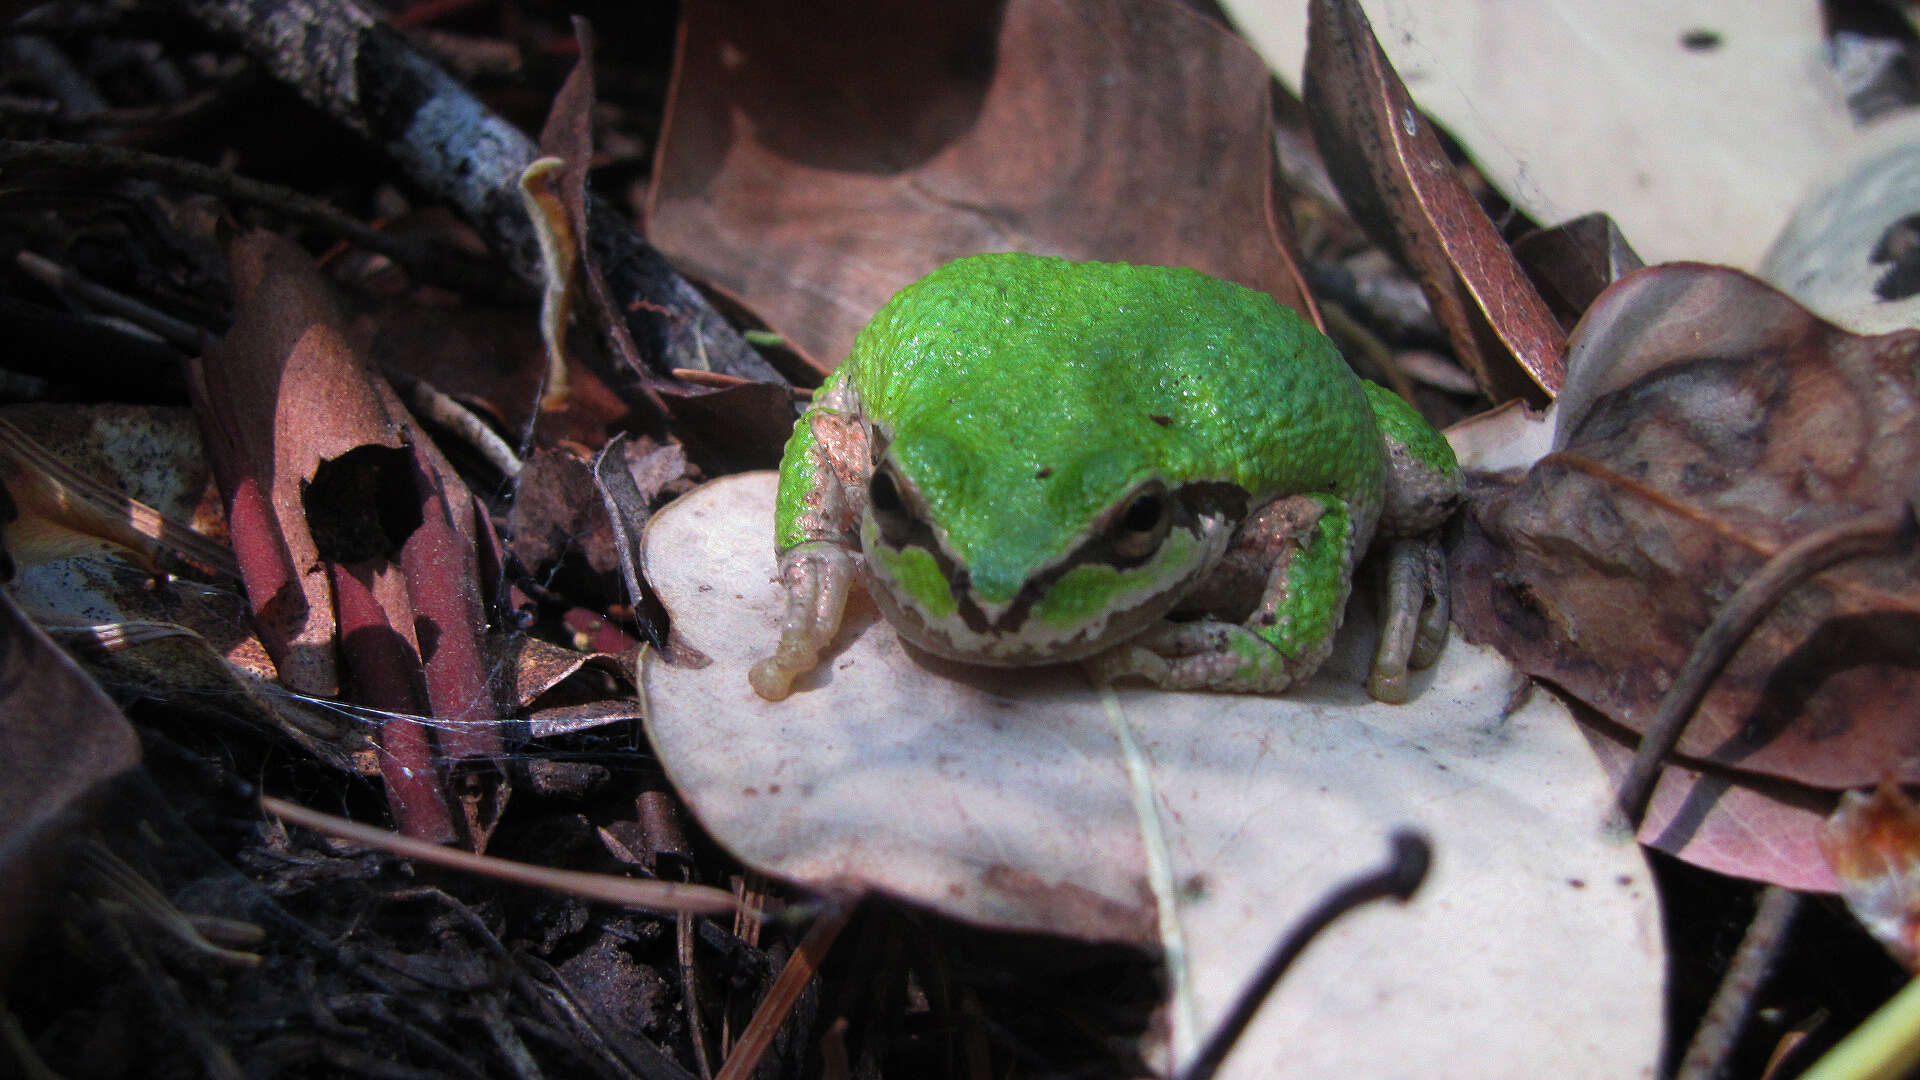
{"x":992,"y":586}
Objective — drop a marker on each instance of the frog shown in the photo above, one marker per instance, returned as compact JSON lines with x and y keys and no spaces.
{"x":1156,"y":473}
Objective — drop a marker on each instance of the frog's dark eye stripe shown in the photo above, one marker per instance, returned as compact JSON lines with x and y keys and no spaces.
{"x":890,"y":512}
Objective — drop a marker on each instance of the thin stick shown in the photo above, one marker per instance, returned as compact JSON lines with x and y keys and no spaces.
{"x":801,"y":967}
{"x":1720,"y":1028}
{"x":1884,"y":532}
{"x":1406,"y":867}
{"x":63,"y":278}
{"x":627,"y":892}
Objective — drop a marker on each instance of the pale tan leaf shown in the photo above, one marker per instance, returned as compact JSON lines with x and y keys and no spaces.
{"x":1000,"y":797}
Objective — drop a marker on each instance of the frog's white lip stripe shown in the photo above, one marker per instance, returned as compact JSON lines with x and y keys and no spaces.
{"x":1035,"y":643}
{"x":1008,"y":633}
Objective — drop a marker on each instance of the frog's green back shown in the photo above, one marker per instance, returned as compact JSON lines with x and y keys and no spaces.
{"x":1025,"y":393}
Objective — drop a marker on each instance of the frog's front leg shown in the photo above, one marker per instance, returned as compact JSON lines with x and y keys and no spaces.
{"x":815,"y":577}
{"x":1423,"y":484}
{"x":822,"y":492}
{"x":1307,"y":541}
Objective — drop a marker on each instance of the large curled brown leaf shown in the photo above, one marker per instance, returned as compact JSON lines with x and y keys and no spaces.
{"x":275,"y":401}
{"x":361,"y":549}
{"x":817,"y":159}
{"x":1709,"y":421}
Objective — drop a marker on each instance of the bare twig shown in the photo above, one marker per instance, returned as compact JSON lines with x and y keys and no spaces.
{"x":433,"y":405}
{"x":801,"y":967}
{"x":68,"y":280}
{"x":1405,"y":868}
{"x":628,"y":892}
{"x":1732,"y":1003}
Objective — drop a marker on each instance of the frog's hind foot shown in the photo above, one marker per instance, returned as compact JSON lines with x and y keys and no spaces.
{"x":1413,"y":617}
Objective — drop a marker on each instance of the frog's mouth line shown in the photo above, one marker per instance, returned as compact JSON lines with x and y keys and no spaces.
{"x":1202,"y":509}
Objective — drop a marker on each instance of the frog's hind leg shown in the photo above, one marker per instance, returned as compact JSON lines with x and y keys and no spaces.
{"x":1290,"y":630}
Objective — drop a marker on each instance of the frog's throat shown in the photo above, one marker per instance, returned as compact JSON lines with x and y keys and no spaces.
{"x":1068,"y":610}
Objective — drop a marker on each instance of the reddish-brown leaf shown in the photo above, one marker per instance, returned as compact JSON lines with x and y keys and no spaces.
{"x":1394,"y":175}
{"x":349,"y":523}
{"x":1574,"y":262}
{"x":816,"y":159}
{"x":280,"y":394}
{"x":1728,"y":823}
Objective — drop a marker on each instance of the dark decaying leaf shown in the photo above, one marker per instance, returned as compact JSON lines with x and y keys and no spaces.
{"x":559,"y":529}
{"x":1708,"y":421}
{"x":65,"y":741}
{"x":539,"y":668}
{"x":817,"y":159}
{"x":1396,"y":178}
{"x":1574,"y":262}
{"x":732,"y":428}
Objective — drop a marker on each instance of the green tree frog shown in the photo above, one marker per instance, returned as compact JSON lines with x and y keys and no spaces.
{"x":1167,"y":476}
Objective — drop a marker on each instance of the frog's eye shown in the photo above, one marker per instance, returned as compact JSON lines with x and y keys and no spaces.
{"x":1141,"y":527}
{"x":889,"y":509}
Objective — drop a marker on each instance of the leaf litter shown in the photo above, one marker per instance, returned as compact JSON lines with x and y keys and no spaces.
{"x":992,"y":78}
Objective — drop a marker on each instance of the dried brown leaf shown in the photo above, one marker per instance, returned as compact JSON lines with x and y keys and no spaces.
{"x":815,"y":160}
{"x":1399,"y":183}
{"x":349,"y":524}
{"x":1728,"y":822}
{"x":568,"y":136}
{"x":1709,"y":421}
{"x":1574,"y":262}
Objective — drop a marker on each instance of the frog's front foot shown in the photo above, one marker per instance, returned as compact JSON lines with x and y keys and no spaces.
{"x":1413,"y":617}
{"x":1206,"y":654}
{"x":815,"y":577}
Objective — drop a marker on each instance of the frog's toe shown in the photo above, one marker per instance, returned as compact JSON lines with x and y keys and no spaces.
{"x":815,"y":577}
{"x":1436,"y":615}
{"x":772,"y":680}
{"x":1413,"y":617}
{"x":1389,"y":686}
{"x":1126,"y":661}
{"x":1206,"y":654}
